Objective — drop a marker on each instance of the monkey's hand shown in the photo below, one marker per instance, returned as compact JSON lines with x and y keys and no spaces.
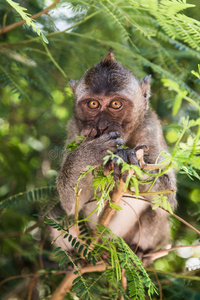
{"x":90,"y":152}
{"x":93,"y":150}
{"x":130,"y":156}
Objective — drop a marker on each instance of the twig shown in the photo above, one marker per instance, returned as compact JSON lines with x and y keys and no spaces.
{"x":151,"y":193}
{"x":124,"y":281}
{"x":66,"y":284}
{"x":77,"y":210}
{"x":158,"y":281}
{"x":31,"y":287}
{"x":120,"y":189}
{"x":117,"y":194}
{"x":28,"y":275}
{"x":49,"y":34}
{"x":54,"y":61}
{"x":151,"y":167}
{"x":36,"y":16}
{"x":188,"y":277}
{"x":41,"y":250}
{"x":164,"y":252}
{"x":174,"y":215}
{"x":17,"y":234}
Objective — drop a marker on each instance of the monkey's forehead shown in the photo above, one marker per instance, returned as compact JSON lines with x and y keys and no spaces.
{"x":108,"y":84}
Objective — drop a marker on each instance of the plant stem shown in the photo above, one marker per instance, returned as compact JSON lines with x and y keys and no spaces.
{"x":36,"y":16}
{"x":52,"y":33}
{"x":151,"y":193}
{"x":53,"y":60}
{"x":174,"y":215}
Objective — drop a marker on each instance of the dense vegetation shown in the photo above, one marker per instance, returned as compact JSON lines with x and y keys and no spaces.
{"x":161,"y":38}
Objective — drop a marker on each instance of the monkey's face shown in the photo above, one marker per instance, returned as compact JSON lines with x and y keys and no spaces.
{"x":109,"y":98}
{"x":100,"y":114}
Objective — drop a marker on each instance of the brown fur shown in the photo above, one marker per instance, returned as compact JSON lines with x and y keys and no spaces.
{"x":137,"y":125}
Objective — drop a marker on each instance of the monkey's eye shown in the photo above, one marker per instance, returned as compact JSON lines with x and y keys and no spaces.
{"x":93,"y":104}
{"x":116,"y":104}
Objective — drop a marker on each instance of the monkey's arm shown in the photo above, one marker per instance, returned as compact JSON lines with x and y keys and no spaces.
{"x":149,"y":133}
{"x":153,"y":138}
{"x":90,"y":152}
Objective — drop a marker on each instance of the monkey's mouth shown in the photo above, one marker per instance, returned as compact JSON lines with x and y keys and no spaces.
{"x":102,"y":131}
{"x":95,"y":132}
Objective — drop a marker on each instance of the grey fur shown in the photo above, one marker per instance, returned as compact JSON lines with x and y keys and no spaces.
{"x":137,"y":125}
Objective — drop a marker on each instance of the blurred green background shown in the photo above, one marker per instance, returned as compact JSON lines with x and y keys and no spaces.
{"x":36,"y":103}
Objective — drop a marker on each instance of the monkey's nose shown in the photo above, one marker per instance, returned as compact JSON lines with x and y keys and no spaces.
{"x":102,"y":125}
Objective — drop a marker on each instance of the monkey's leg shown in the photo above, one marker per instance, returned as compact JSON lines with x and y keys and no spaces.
{"x":154,"y":233}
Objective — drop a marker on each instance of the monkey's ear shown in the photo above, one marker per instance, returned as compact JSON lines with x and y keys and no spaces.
{"x":72,"y":84}
{"x":109,"y":59}
{"x":146,"y":88}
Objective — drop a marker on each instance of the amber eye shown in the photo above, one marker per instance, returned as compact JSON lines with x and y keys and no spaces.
{"x":116,"y":104}
{"x":93,"y":104}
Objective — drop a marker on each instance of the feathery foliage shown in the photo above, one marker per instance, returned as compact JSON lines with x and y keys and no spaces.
{"x":148,"y":36}
{"x":25,"y":16}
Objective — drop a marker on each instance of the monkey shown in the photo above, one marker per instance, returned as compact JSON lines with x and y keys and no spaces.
{"x":111,"y":108}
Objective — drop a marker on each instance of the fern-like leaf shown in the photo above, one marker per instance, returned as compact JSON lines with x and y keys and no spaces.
{"x":25,"y":16}
{"x":33,"y":195}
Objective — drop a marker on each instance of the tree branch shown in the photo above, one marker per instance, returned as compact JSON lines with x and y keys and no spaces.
{"x":28,"y":275}
{"x":165,"y":251}
{"x":174,"y":215}
{"x":36,"y":16}
{"x":105,"y":218}
{"x":120,"y":189}
{"x":115,"y":199}
{"x":66,"y":284}
{"x":17,"y":234}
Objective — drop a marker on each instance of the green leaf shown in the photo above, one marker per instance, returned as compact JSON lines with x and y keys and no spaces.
{"x":136,"y":185}
{"x":64,"y":259}
{"x":70,"y":238}
{"x":154,"y":207}
{"x":55,"y":250}
{"x":85,"y":252}
{"x":77,"y":244}
{"x":59,"y":253}
{"x":81,"y":138}
{"x":178,"y":101}
{"x":80,"y":249}
{"x":25,"y":16}
{"x":116,"y":207}
{"x":93,"y":261}
{"x":73,"y":241}
{"x":123,"y":263}
{"x":89,"y":255}
{"x":76,"y":279}
{"x":43,"y":37}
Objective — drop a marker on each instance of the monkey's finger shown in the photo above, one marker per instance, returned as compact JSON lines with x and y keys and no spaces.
{"x":89,"y":132}
{"x":132,"y":159}
{"x":144,"y":147}
{"x":111,"y":136}
{"x":108,"y":166}
{"x":93,"y":133}
{"x":114,"y":134}
{"x":109,"y":144}
{"x":120,"y":142}
{"x":139,"y":152}
{"x":124,"y":175}
{"x":123,"y":154}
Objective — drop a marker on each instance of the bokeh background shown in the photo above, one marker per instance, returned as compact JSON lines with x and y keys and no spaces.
{"x":149,"y":37}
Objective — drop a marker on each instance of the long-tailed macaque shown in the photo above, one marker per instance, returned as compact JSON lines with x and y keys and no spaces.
{"x":111,"y":108}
